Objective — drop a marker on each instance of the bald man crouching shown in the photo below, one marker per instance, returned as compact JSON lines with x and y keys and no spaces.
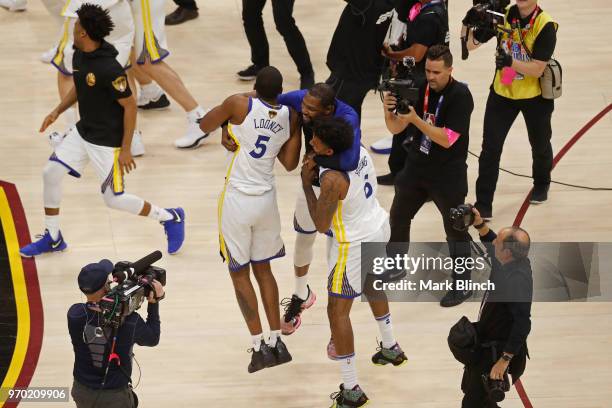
{"x":504,"y":321}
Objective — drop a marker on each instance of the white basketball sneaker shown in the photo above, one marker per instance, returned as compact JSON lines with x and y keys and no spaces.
{"x":193,"y":137}
{"x":14,"y":5}
{"x":382,"y":146}
{"x":137,"y":148}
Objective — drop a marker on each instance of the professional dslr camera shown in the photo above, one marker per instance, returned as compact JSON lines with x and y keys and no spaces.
{"x":462,"y":217}
{"x":399,"y":80}
{"x":496,"y":389}
{"x":134,"y":283}
{"x":485,"y":15}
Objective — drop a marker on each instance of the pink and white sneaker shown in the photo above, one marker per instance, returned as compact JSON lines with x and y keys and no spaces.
{"x":331,"y":350}
{"x":293,"y":311}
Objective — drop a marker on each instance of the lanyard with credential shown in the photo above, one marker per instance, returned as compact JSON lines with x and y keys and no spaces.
{"x":523,"y":31}
{"x":425,"y":140}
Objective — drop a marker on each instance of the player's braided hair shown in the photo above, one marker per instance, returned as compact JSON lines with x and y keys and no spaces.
{"x":334,"y":132}
{"x":95,"y":20}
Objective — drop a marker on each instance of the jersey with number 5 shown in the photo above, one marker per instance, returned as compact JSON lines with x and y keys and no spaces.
{"x":359,"y":215}
{"x":260,"y":138}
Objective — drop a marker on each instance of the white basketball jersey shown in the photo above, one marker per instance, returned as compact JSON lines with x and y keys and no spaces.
{"x":359,"y":215}
{"x":259,"y":138}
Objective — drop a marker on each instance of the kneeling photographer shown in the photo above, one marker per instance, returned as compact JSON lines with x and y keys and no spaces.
{"x":437,"y":123}
{"x":504,"y":320}
{"x":105,"y":328}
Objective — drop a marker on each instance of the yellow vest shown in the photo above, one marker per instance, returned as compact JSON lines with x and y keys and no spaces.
{"x":523,"y":86}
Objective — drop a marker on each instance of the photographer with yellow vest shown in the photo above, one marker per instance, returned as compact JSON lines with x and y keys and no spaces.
{"x":526,"y":44}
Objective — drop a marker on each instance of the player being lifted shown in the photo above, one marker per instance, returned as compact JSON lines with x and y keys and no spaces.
{"x":249,"y":221}
{"x":103,"y":135}
{"x":349,"y":212}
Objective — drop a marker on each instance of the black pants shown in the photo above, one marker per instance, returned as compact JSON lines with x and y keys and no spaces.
{"x":500,"y":114}
{"x":408,"y":200}
{"x":188,"y":4}
{"x":285,"y":25}
{"x":397,"y":158}
{"x":85,"y":397}
{"x":475,"y":395}
{"x":350,"y":92}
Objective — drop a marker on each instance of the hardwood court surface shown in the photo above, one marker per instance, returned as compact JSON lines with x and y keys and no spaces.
{"x":201,"y":359}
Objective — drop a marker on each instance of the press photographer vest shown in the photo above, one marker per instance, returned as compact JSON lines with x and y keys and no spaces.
{"x":523,"y":86}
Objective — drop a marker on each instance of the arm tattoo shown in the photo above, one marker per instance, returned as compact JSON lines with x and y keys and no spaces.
{"x":322,"y":210}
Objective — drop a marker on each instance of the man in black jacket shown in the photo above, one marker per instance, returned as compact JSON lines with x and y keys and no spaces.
{"x":505,"y":313}
{"x":354,"y":57}
{"x":92,"y":340}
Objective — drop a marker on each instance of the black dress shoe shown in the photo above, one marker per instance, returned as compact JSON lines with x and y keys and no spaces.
{"x":539,"y":195}
{"x":386,"y":180}
{"x":180,"y":15}
{"x":249,"y":73}
{"x":455,"y":297}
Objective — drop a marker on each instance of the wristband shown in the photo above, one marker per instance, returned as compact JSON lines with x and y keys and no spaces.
{"x":479,"y":226}
{"x":506,"y":357}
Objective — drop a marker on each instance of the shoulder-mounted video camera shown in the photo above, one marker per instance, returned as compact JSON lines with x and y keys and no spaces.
{"x":484,"y":15}
{"x":134,"y":283}
{"x":400,"y":81}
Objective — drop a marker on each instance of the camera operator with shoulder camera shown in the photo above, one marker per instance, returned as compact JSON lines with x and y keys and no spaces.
{"x":526,"y":42}
{"x":437,"y":133}
{"x":504,"y":320}
{"x":426,"y":25}
{"x":103,"y":350}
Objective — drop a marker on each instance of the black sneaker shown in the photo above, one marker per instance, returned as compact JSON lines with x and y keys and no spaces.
{"x":180,"y":15}
{"x":293,"y":310}
{"x":249,"y":73}
{"x":394,"y":355}
{"x":280,"y":352}
{"x":539,"y":194}
{"x":349,"y":398}
{"x":262,"y":358}
{"x":386,"y":180}
{"x":160,"y":103}
{"x":455,"y":297}
{"x":307,"y":81}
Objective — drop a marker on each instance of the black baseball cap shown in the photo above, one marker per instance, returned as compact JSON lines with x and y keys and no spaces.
{"x":94,"y":276}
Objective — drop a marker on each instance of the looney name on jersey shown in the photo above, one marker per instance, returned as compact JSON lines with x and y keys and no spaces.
{"x":268,"y":124}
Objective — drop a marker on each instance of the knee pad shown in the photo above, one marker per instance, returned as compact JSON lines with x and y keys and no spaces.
{"x":302,"y":253}
{"x":123,"y":202}
{"x":53,"y":173}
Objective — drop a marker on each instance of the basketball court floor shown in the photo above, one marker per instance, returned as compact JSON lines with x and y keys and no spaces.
{"x":201,"y":359}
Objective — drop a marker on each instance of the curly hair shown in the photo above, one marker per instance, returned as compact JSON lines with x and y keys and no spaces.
{"x":95,"y":20}
{"x":334,"y":132}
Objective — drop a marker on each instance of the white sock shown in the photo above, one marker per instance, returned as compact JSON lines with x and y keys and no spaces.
{"x":70,"y":117}
{"x":301,"y":286}
{"x":256,"y":339}
{"x":195,"y":114}
{"x":151,"y":91}
{"x":386,"y":330}
{"x":349,"y":371}
{"x":274,"y":335}
{"x":52,"y":225}
{"x":160,"y":214}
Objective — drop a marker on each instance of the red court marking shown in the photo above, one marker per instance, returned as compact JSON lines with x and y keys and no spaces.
{"x":33,"y":289}
{"x":525,"y":206}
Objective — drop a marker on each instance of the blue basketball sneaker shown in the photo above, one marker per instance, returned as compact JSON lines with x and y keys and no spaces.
{"x":44,"y":244}
{"x":175,"y":229}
